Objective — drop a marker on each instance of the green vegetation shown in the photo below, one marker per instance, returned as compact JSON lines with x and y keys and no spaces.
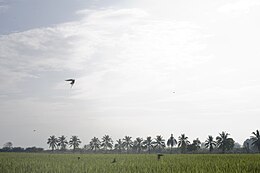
{"x":223,"y":144}
{"x":126,"y":163}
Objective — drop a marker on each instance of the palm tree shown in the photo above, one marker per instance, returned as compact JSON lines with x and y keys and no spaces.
{"x":62,"y":142}
{"x":224,"y":143}
{"x":128,"y":143}
{"x":52,"y":141}
{"x":95,"y":144}
{"x":196,"y":143}
{"x":119,"y":145}
{"x":148,"y":143}
{"x":183,"y":142}
{"x":107,"y":142}
{"x":159,"y":143}
{"x":194,"y":146}
{"x":138,"y":143}
{"x":210,"y":143}
{"x":74,"y":141}
{"x":256,"y":139}
{"x":171,"y":142}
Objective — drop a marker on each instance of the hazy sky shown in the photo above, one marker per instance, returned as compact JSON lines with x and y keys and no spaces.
{"x":128,"y":57}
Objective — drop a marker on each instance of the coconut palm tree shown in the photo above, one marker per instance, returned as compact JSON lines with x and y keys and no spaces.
{"x":183,"y":142}
{"x":256,"y":139}
{"x":52,"y":141}
{"x":210,"y":143}
{"x":127,"y":143}
{"x":74,"y":141}
{"x":95,"y":144}
{"x":138,"y":143}
{"x":196,"y":143}
{"x":107,"y":142}
{"x":194,"y":146}
{"x":224,"y":143}
{"x":148,"y":143}
{"x":119,"y":145}
{"x":171,"y":142}
{"x":159,"y":143}
{"x":62,"y":142}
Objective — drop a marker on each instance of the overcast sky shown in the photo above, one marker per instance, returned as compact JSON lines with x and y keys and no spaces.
{"x":128,"y":57}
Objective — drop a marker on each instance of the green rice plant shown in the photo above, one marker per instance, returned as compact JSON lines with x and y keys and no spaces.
{"x":128,"y":163}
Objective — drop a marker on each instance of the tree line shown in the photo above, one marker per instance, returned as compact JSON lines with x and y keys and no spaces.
{"x":221,"y":144}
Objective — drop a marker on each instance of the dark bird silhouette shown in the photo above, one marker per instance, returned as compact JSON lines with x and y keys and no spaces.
{"x":72,"y":81}
{"x":159,"y":156}
{"x":114,"y":161}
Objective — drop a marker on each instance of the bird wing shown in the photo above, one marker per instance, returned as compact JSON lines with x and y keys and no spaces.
{"x":70,"y":80}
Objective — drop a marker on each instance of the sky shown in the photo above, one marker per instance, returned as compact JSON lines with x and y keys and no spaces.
{"x":142,"y":68}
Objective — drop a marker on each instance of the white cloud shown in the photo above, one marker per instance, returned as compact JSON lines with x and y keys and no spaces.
{"x":238,"y":7}
{"x":116,"y":51}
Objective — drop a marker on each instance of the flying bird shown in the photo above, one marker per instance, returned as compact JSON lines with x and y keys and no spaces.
{"x":72,"y":81}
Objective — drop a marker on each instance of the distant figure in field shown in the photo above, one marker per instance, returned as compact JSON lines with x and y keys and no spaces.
{"x":114,"y":161}
{"x":78,"y":158}
{"x":72,"y":81}
{"x":159,"y":156}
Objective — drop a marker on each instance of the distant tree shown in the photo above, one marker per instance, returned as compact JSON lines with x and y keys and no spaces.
{"x":138,"y":144}
{"x":34,"y":149}
{"x":18,"y":149}
{"x":210,"y":143}
{"x":53,"y":142}
{"x":62,"y":142}
{"x":256,"y":139}
{"x":237,"y":145}
{"x":159,"y":143}
{"x":194,"y":146}
{"x":171,"y":142}
{"x":148,"y":143}
{"x":183,"y":143}
{"x":127,"y":143}
{"x":74,"y":142}
{"x":107,"y":142}
{"x":8,"y":146}
{"x":95,"y":144}
{"x":224,"y":143}
{"x":246,"y":145}
{"x":119,"y":145}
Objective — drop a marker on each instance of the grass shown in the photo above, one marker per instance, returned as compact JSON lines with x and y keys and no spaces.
{"x":132,"y":163}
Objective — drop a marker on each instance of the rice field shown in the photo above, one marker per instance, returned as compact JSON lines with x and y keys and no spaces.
{"x":128,"y":163}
